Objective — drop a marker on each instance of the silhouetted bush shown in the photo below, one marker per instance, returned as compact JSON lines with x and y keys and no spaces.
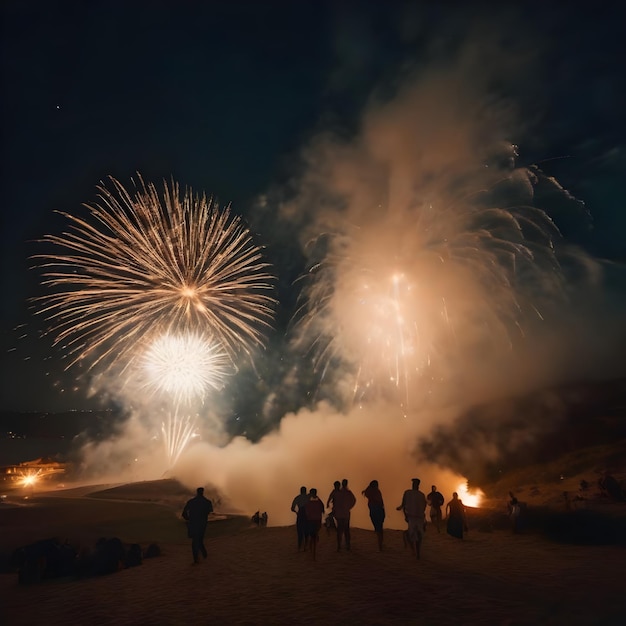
{"x":47,"y":558}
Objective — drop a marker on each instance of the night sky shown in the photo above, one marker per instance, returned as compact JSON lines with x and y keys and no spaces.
{"x":224,"y":96}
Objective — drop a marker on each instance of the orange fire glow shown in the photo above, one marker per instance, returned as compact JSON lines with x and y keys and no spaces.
{"x":470,"y":498}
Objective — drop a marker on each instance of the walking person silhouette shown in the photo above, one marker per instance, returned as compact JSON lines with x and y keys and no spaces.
{"x":195,"y":513}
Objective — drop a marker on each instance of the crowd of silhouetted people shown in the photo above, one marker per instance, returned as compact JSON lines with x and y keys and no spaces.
{"x":259,"y":519}
{"x":310,"y":510}
{"x":51,"y":559}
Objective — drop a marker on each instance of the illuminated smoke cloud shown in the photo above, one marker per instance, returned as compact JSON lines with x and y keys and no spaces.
{"x":160,"y":295}
{"x":431,"y":264}
{"x":436,"y":275}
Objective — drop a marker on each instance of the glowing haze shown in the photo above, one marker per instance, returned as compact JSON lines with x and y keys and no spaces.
{"x":315,"y":448}
{"x":160,"y":295}
{"x":434,"y":276}
{"x":434,"y":262}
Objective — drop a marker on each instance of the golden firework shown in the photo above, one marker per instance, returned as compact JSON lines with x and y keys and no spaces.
{"x":142,"y":265}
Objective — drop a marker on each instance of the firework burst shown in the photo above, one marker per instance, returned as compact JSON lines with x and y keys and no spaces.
{"x":408,"y":299}
{"x":183,"y":368}
{"x":167,"y":289}
{"x":145,"y":265}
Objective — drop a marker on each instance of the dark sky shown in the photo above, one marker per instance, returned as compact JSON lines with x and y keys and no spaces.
{"x":222,"y":96}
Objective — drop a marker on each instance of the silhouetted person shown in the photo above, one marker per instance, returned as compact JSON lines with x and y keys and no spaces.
{"x":330,"y":504}
{"x":435,"y":501}
{"x":515,"y":511}
{"x":343,"y":501}
{"x":314,"y":510}
{"x":414,"y":507}
{"x":455,"y":512}
{"x":298,"y":507}
{"x":196,"y":512}
{"x":377,"y":509}
{"x":331,"y":497}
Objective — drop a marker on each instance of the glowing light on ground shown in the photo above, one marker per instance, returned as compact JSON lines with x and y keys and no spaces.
{"x":470,"y":497}
{"x":30,"y":479}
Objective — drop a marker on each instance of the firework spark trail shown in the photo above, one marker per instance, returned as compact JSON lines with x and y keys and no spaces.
{"x":141,"y":266}
{"x":177,"y":430}
{"x":425,"y":189}
{"x":180,"y":370}
{"x":416,"y":296}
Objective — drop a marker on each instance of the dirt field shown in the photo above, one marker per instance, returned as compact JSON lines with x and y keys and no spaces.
{"x":257,"y":576}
